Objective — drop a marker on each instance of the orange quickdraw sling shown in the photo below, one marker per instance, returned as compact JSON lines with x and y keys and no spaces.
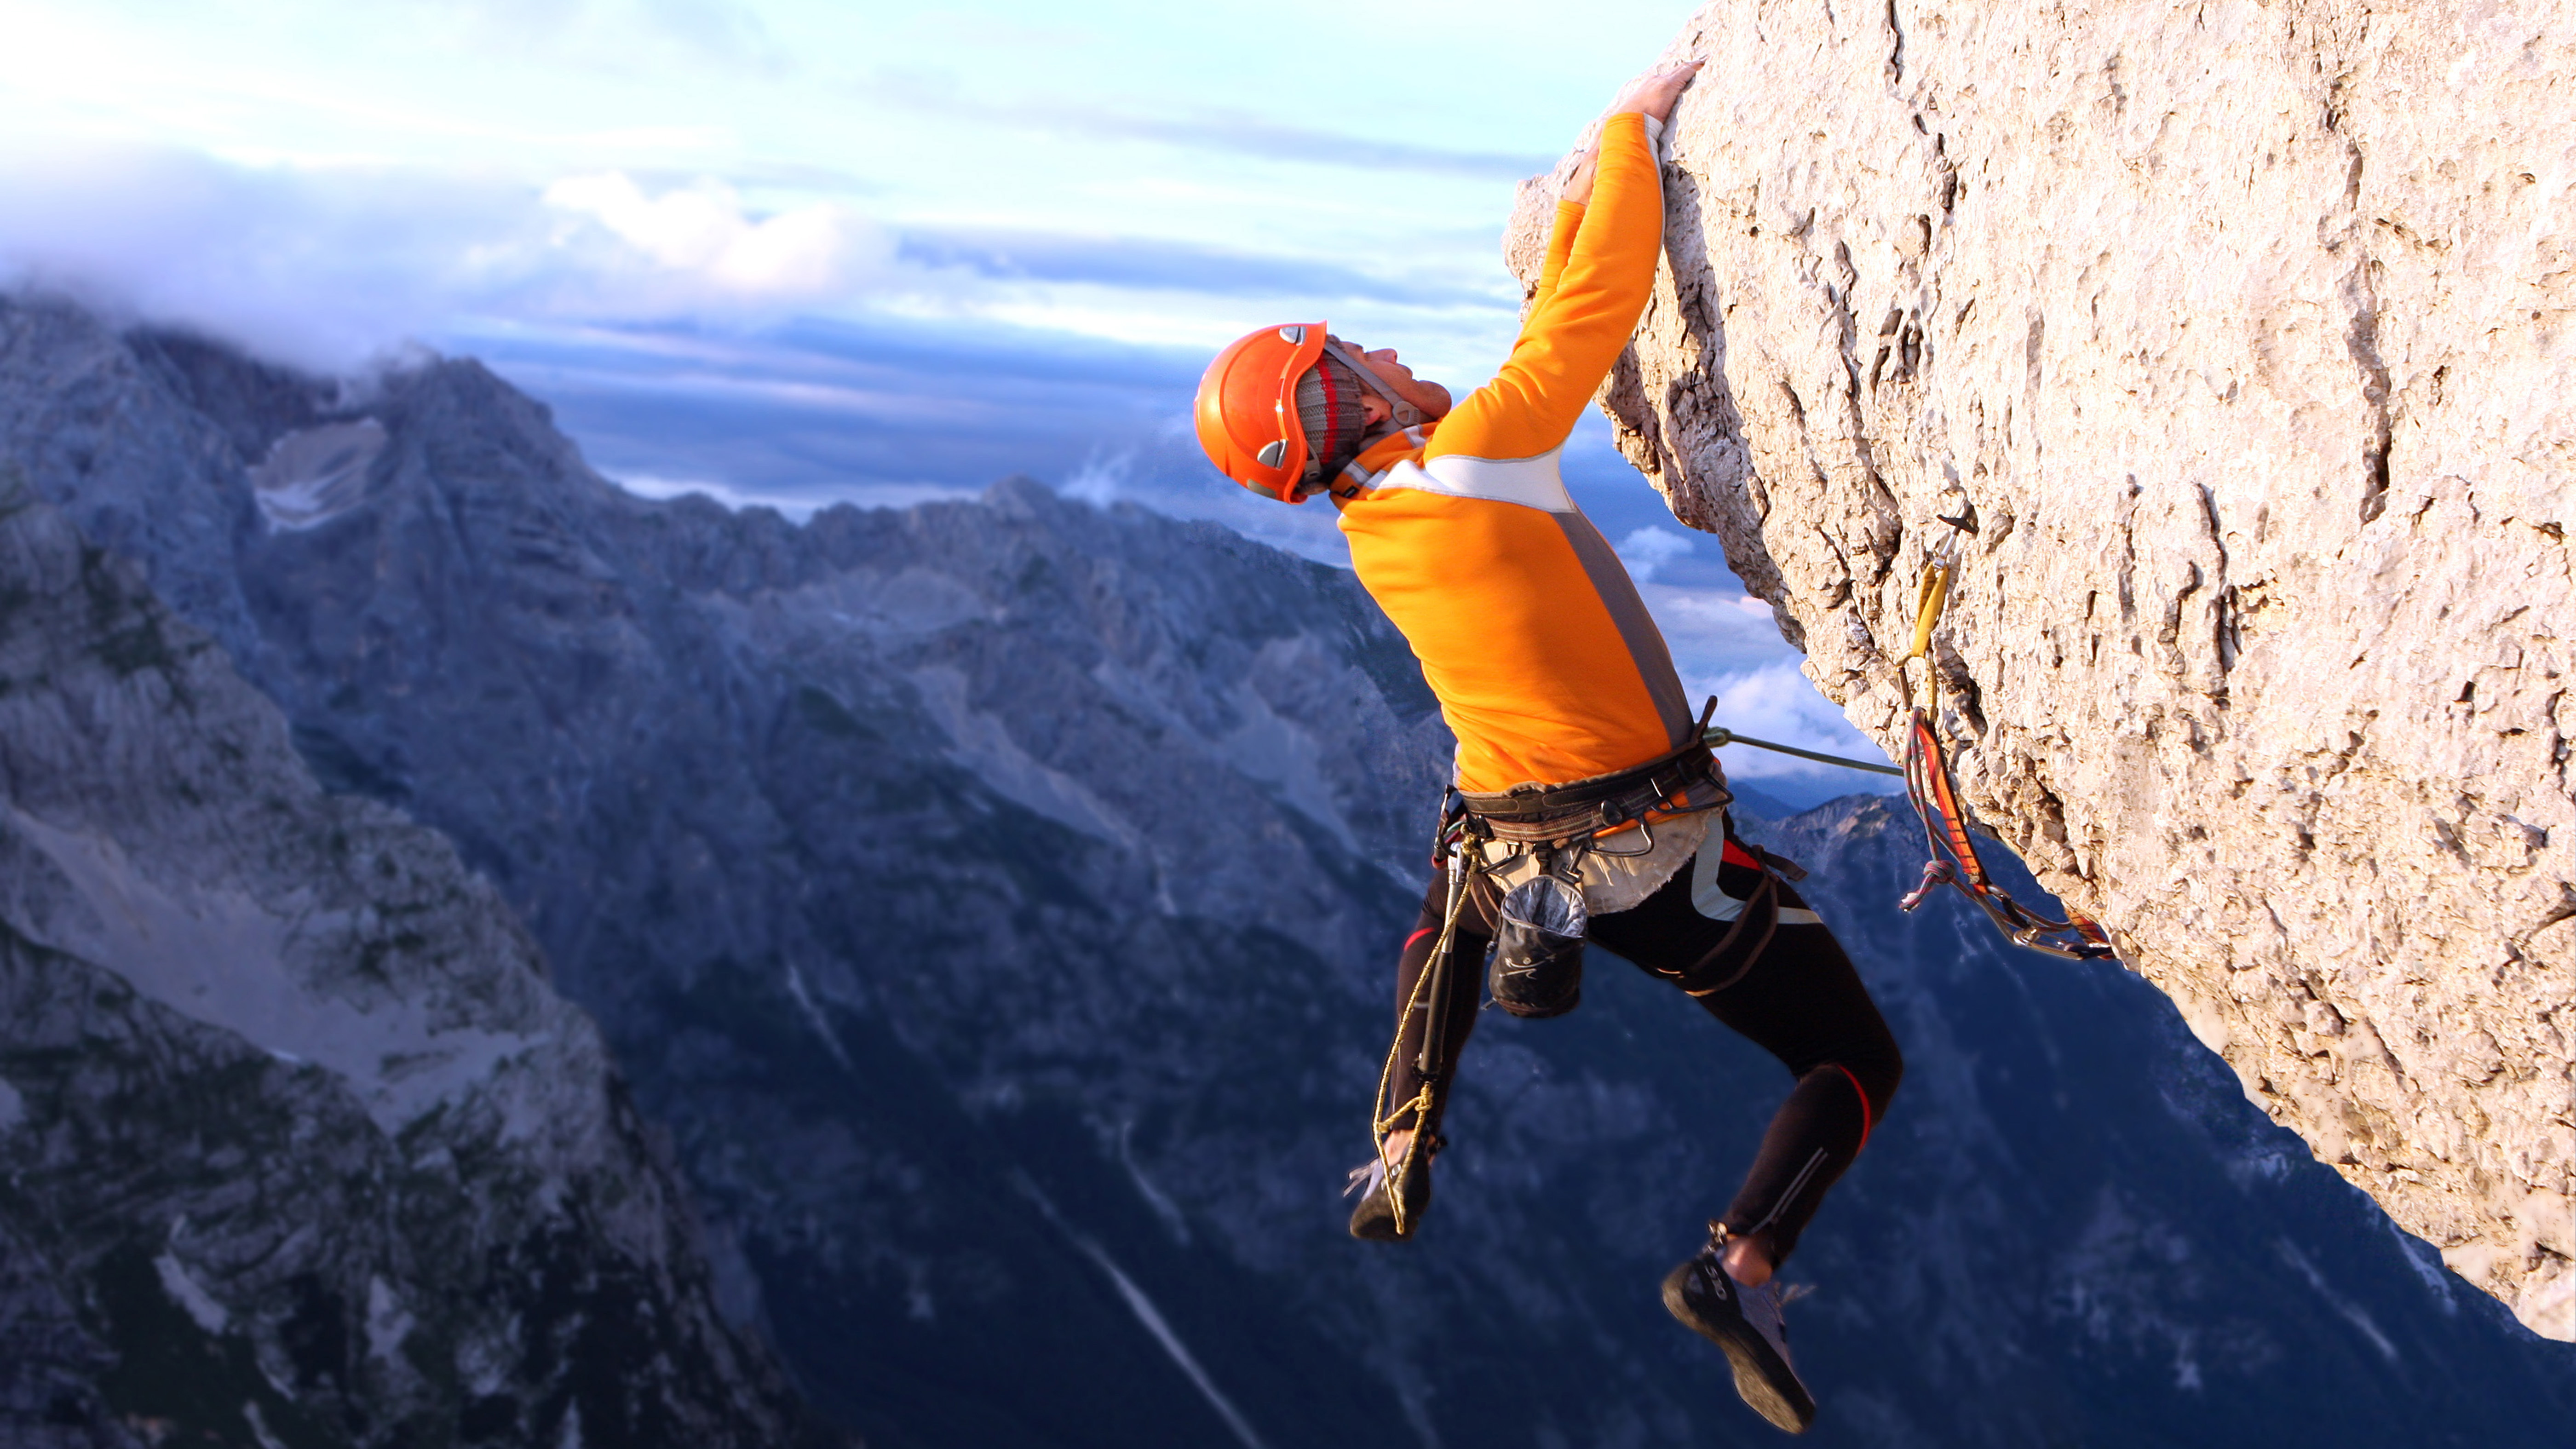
{"x":1953,"y":853}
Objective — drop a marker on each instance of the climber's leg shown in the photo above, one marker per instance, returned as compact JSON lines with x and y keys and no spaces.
{"x":1799,"y":999}
{"x":1803,"y":1003}
{"x":1475,"y":935}
{"x":1400,"y":1172}
{"x":1744,"y":943}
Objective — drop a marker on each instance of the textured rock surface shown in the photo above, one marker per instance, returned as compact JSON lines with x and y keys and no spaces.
{"x":299,"y":1146}
{"x":2243,"y":328}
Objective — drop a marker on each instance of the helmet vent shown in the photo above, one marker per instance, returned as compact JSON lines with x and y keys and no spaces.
{"x":1272,"y":452}
{"x":1292,"y":335}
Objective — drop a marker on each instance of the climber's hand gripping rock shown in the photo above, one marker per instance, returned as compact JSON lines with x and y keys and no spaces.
{"x":1654,"y":95}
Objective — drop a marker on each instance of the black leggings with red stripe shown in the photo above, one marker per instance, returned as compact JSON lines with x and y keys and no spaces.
{"x":1793,"y":994}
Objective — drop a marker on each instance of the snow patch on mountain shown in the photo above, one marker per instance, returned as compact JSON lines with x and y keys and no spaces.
{"x":316,"y":474}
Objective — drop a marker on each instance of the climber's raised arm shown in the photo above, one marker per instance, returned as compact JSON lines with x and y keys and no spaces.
{"x":1608,"y":238}
{"x":1560,"y":245}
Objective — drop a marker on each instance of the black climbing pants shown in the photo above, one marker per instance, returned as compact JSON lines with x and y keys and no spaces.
{"x":1792,"y":992}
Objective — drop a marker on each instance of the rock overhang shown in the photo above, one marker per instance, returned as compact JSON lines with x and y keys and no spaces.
{"x":2237,"y":328}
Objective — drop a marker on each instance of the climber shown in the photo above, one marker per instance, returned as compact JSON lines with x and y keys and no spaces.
{"x":1584,"y":804}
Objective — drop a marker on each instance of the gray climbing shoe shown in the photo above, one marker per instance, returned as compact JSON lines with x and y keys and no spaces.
{"x":1375,"y":1219}
{"x":1746,"y":1323}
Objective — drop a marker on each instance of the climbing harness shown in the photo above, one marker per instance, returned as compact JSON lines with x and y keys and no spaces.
{"x":1536,"y":969}
{"x":1540,"y":925}
{"x":1579,"y":813}
{"x":1935,"y":796}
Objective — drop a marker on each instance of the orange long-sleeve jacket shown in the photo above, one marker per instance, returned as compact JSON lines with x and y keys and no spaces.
{"x":1546,"y":663}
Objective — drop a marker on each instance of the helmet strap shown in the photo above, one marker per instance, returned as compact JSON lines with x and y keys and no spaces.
{"x":1406,"y":415}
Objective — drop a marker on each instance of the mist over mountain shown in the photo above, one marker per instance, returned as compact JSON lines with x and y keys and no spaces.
{"x":994,"y":903}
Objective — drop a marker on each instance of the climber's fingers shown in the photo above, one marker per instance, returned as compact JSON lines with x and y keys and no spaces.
{"x":1578,"y":185}
{"x":1655,"y":92}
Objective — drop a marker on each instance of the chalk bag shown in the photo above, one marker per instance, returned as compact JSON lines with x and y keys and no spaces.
{"x":1537,"y":964}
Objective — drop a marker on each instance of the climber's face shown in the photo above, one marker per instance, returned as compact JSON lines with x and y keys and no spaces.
{"x":1431,"y":397}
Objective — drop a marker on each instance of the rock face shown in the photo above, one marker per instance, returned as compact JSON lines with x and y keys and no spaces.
{"x":2238,"y":334}
{"x":995,"y":900}
{"x":300,"y":1148}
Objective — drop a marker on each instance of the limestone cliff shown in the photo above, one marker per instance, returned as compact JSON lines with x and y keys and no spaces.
{"x":2235,"y":333}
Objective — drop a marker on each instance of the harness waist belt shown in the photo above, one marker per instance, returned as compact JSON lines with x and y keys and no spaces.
{"x":1681,"y":783}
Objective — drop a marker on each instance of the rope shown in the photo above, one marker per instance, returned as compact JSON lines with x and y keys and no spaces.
{"x":1721,"y":737}
{"x":1381,"y":1120}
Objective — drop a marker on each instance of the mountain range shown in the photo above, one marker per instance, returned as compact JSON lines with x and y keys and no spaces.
{"x":987,"y":909}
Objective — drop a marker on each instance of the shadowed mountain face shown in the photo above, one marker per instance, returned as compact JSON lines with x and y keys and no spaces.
{"x":995,"y":903}
{"x":298,"y":1147}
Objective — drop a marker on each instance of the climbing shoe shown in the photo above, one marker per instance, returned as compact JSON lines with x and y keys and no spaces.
{"x":1746,"y":1323}
{"x":1377,"y":1185}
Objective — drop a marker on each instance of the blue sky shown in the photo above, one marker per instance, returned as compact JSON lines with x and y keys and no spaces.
{"x":797,"y":252}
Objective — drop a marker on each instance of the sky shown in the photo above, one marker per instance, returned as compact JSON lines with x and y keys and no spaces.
{"x":793,"y":254}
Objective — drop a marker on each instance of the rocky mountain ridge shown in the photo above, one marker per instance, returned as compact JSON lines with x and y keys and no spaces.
{"x":2233,"y":334}
{"x":993,"y":902}
{"x":300,"y":1148}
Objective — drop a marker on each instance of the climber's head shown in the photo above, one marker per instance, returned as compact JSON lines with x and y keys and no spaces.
{"x":1283,"y":410}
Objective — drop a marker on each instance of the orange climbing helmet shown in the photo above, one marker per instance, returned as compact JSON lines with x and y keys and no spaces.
{"x":1247,"y":408}
{"x":1280,"y":411}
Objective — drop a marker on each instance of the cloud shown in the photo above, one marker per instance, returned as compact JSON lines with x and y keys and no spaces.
{"x":883,"y":410}
{"x":1647,"y":549}
{"x":606,"y":35}
{"x":695,"y":244}
{"x":1144,"y":263}
{"x":318,"y":270}
{"x":1223,"y":130}
{"x":797,"y":507}
{"x":986,"y":349}
{"x":326,"y":266}
{"x":815,"y":408}
{"x":1243,"y":134}
{"x":1102,"y":478}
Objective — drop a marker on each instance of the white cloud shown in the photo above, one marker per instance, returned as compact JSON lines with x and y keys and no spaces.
{"x":1716,"y":630}
{"x":1647,"y":549}
{"x":389,"y":163}
{"x":795,"y":506}
{"x":324,"y":271}
{"x":699,"y":239}
{"x":329,"y":267}
{"x":1103,"y":478}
